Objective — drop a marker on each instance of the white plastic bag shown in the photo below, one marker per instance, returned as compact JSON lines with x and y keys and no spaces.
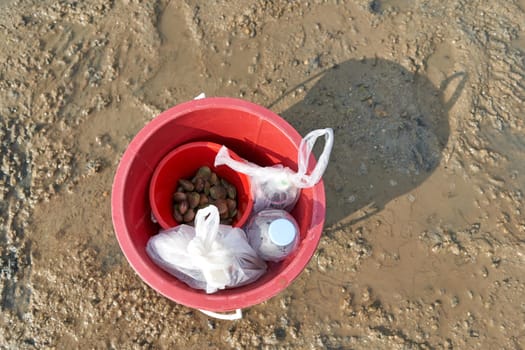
{"x":210,"y":256}
{"x":277,"y":186}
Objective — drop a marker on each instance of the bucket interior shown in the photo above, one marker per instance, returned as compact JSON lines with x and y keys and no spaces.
{"x":258,"y":138}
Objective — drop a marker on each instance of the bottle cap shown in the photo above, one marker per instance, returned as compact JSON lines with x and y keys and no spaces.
{"x":282,"y":232}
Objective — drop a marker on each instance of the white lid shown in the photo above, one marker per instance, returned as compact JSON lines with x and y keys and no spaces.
{"x":282,"y":232}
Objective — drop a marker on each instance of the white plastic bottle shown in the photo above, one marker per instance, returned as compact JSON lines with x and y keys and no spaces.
{"x":273,"y":233}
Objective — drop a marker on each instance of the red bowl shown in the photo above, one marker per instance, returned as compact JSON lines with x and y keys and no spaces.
{"x":182,"y":163}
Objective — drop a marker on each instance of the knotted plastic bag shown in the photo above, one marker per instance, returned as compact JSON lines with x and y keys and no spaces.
{"x":276,"y":186}
{"x":210,"y":256}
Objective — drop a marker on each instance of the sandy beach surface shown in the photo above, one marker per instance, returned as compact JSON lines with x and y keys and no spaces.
{"x":424,"y":240}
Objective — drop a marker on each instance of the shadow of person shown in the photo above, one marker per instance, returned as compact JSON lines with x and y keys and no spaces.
{"x":390,"y":128}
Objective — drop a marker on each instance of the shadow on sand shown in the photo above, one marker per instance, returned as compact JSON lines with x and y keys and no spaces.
{"x":390,"y":126}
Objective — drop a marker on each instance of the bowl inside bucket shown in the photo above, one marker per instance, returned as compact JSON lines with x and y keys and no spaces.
{"x":182,"y":163}
{"x":252,"y":132}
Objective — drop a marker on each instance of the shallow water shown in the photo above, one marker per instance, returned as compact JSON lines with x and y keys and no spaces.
{"x":423,"y":242}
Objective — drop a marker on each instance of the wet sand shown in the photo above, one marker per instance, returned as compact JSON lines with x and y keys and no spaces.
{"x":424,"y":242}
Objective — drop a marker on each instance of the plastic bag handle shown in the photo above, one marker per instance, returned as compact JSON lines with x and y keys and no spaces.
{"x":223,"y":158}
{"x":228,"y":317}
{"x":301,"y":179}
{"x":207,"y":224}
{"x":212,"y":260}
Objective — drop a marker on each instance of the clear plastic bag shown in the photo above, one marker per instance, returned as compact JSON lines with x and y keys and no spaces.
{"x":210,"y":256}
{"x":277,"y":186}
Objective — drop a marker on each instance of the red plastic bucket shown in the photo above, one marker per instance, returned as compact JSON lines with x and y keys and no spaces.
{"x":254,"y":133}
{"x":182,"y":163}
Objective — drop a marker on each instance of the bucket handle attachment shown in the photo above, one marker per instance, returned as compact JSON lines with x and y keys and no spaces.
{"x":228,"y":317}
